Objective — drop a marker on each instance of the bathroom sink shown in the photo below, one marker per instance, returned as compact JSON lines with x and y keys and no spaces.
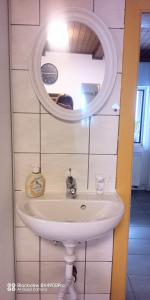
{"x":71,"y":220}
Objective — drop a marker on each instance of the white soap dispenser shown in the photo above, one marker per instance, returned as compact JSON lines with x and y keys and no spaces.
{"x":35,"y":183}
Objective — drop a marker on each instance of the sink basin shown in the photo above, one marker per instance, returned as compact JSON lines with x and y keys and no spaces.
{"x":71,"y":220}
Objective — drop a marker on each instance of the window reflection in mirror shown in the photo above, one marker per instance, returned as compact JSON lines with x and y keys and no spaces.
{"x":72,"y":64}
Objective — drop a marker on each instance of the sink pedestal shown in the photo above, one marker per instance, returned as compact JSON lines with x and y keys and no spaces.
{"x":68,"y":282}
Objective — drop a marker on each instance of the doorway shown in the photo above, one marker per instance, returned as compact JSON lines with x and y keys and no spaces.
{"x":138,"y":274}
{"x":134,"y":10}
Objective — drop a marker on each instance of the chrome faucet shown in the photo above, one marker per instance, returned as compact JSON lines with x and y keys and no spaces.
{"x":71,"y":186}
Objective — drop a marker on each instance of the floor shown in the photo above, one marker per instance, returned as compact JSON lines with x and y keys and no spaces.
{"x":138,"y":279}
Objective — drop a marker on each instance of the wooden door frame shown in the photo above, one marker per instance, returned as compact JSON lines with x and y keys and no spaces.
{"x":133,"y":12}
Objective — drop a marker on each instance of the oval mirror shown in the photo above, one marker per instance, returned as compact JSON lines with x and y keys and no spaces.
{"x":73,"y":65}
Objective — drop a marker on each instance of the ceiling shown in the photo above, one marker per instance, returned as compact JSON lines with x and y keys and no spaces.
{"x":145,"y":38}
{"x":145,"y":44}
{"x":82,"y":40}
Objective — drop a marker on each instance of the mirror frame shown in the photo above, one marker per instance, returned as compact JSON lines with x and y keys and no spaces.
{"x":104,"y":35}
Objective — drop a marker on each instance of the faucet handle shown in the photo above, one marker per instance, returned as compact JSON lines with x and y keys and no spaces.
{"x":70,"y":171}
{"x":70,"y":178}
{"x":71,"y":185}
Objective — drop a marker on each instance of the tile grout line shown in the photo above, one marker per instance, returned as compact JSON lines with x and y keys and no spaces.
{"x":133,"y":292}
{"x":117,"y":150}
{"x":40,"y":135}
{"x":111,"y":266}
{"x":85,"y":271}
{"x":57,"y":294}
{"x":17,"y":152}
{"x":40,"y":168}
{"x":65,"y":153}
{"x":47,"y":113}
{"x":13,"y":204}
{"x":39,"y":267}
{"x":39,"y":12}
{"x":139,"y":275}
{"x":139,"y":255}
{"x":25,"y":25}
{"x":54,"y":261}
{"x":25,"y":113}
{"x":21,"y":69}
{"x":141,"y":239}
{"x":115,"y":28}
{"x":88,"y":171}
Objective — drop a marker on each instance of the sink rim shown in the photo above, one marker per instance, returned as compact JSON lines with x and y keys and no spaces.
{"x":21,"y":210}
{"x":73,"y":232}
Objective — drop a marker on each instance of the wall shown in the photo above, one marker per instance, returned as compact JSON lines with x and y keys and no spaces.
{"x":144,"y":74}
{"x":88,"y":147}
{"x":6,"y":203}
{"x":140,"y":162}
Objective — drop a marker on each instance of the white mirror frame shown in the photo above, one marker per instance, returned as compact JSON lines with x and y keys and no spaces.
{"x":104,"y":35}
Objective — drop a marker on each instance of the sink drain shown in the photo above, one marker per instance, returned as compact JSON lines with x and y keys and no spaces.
{"x":83,"y":206}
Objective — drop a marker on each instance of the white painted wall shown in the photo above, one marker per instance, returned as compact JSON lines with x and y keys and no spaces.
{"x":6,"y":208}
{"x":144,"y":74}
{"x":140,"y":170}
{"x":73,"y":70}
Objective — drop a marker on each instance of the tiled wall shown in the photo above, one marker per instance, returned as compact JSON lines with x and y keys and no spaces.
{"x":6,"y":213}
{"x":88,"y":147}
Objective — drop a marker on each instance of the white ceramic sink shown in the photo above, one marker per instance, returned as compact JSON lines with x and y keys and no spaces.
{"x":71,"y":220}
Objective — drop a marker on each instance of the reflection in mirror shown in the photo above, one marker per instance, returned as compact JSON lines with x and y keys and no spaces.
{"x":72,"y":64}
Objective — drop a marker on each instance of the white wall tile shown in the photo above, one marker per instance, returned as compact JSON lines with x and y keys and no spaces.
{"x":27,"y":297}
{"x":18,"y":221}
{"x":49,"y":7}
{"x":113,"y":99}
{"x":26,"y":133}
{"x":27,"y":272}
{"x":103,"y":134}
{"x":111,"y":12}
{"x":27,"y":245}
{"x":6,"y":212}
{"x":103,"y":165}
{"x":98,"y":277}
{"x":49,"y":297}
{"x":97,"y":297}
{"x":23,"y":96}
{"x":101,"y":249}
{"x":23,"y":166}
{"x":54,"y":272}
{"x":25,"y":12}
{"x":55,"y":169}
{"x":43,"y":110}
{"x":55,"y":297}
{"x":22,"y":39}
{"x":63,"y":137}
{"x":51,"y":252}
{"x":117,"y":35}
